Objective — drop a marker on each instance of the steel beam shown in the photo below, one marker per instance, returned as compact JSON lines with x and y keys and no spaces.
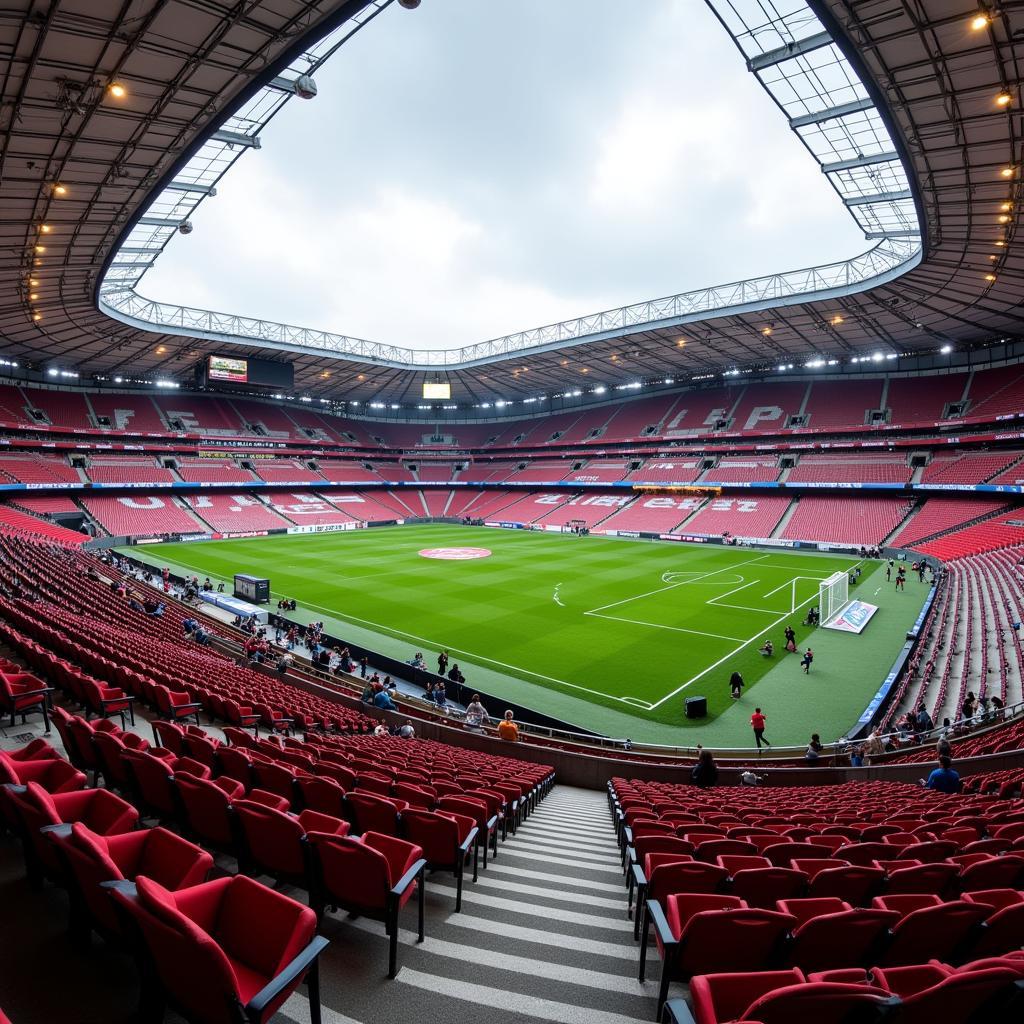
{"x":878,"y":197}
{"x":860,"y":161}
{"x":189,"y":186}
{"x":831,"y":113}
{"x":789,"y":51}
{"x":236,"y":139}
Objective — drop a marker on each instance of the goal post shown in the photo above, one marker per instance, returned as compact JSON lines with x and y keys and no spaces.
{"x":833,"y":596}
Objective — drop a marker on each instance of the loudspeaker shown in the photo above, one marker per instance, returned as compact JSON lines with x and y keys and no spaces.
{"x":696,"y":707}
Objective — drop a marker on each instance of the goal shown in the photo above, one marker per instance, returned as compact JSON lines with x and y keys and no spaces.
{"x":833,"y":596}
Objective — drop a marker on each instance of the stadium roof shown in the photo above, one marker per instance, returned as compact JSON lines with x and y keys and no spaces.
{"x":904,"y":106}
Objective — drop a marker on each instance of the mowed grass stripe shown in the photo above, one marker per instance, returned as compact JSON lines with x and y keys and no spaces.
{"x":500,"y":610}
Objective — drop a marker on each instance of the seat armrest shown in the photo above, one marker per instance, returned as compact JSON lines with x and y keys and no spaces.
{"x":638,"y":874}
{"x":409,"y":877}
{"x":661,"y":923}
{"x":675,"y":1011}
{"x":61,"y":831}
{"x":295,"y":969}
{"x":466,"y":846}
{"x":194,"y":705}
{"x":492,"y":822}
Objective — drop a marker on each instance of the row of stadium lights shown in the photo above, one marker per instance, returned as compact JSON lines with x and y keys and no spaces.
{"x":116,"y":90}
{"x":982,"y":20}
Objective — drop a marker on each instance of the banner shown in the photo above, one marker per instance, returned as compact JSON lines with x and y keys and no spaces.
{"x":854,"y":617}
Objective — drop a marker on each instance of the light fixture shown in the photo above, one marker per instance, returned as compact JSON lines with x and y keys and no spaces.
{"x":161,"y":349}
{"x":946,"y":349}
{"x":40,"y":248}
{"x":836,"y":320}
{"x":990,"y":277}
{"x":33,"y":296}
{"x":980,"y":21}
{"x":1007,"y":172}
{"x":681,"y":343}
{"x":1003,"y":99}
{"x":766,"y":331}
{"x":999,"y":244}
{"x":59,"y":189}
{"x":37,"y":317}
{"x":1006,"y":207}
{"x":1004,"y":218}
{"x":117,"y":90}
{"x":584,"y":370}
{"x":45,"y":229}
{"x":993,"y":257}
{"x":33,"y":281}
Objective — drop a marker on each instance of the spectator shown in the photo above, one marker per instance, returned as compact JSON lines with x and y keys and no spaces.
{"x":748,"y":778}
{"x":814,"y":748}
{"x":382,"y":699}
{"x":380,"y":730}
{"x":805,"y":661}
{"x":442,"y":663}
{"x":943,"y":779}
{"x":363,"y":663}
{"x":367,"y":695}
{"x":970,"y":705}
{"x":407,"y":732}
{"x":440,"y":695}
{"x":790,"y":635}
{"x":705,"y":772}
{"x":923,"y":722}
{"x":857,"y":756}
{"x":284,"y":663}
{"x":476,"y":714}
{"x":418,"y":662}
{"x":943,"y":748}
{"x":757,"y":720}
{"x":507,"y":729}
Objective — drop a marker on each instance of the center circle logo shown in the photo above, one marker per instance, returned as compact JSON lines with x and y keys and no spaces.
{"x":455,"y":554}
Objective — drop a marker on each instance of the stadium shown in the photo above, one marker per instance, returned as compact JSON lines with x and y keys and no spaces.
{"x":345,"y":680}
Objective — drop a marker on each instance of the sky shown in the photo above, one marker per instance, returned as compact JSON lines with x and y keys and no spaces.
{"x":475,"y":168}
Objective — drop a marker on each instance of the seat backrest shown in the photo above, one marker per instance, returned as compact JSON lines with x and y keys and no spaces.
{"x":152,"y":776}
{"x":821,"y":1002}
{"x":349,"y":872}
{"x":169,"y":736}
{"x":191,"y":964}
{"x":933,"y":932}
{"x":960,"y":998}
{"x":681,"y":877}
{"x":90,"y":863}
{"x":206,"y":807}
{"x":273,"y":838}
{"x":853,"y":883}
{"x":437,"y":834}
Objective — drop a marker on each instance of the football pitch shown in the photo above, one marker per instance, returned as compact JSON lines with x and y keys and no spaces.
{"x":607,"y":634}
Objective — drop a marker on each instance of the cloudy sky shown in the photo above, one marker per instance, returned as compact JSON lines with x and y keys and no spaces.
{"x":477,"y":167}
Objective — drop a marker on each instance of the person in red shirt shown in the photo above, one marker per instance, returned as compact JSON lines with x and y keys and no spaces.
{"x":757,"y":724}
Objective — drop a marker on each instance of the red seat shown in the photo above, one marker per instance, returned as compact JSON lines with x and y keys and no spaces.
{"x":275,"y":842}
{"x":156,"y":853}
{"x":934,"y":992}
{"x":226,"y":950}
{"x":994,"y":873}
{"x":372,"y":875}
{"x":1003,"y":930}
{"x":486,"y":823}
{"x":22,"y":693}
{"x":784,"y":997}
{"x":372,"y":813}
{"x":935,"y":931}
{"x":852,"y":883}
{"x":929,"y":878}
{"x":176,"y":705}
{"x":55,"y":776}
{"x":702,"y":934}
{"x":764,"y":887}
{"x":323,"y":795}
{"x":446,"y":840}
{"x":99,"y":809}
{"x":832,"y":934}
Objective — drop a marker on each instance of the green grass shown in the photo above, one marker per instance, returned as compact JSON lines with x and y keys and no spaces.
{"x":606,"y":634}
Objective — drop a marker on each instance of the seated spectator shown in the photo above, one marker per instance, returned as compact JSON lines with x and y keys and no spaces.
{"x":189,"y":625}
{"x":923,"y":722}
{"x":440,"y":695}
{"x":748,"y":778}
{"x":767,"y":649}
{"x":705,"y":772}
{"x":814,"y":748}
{"x":418,"y":661}
{"x":507,"y":728}
{"x":381,"y":730}
{"x":857,"y":756}
{"x":944,"y":779}
{"x":407,"y":732}
{"x":368,"y":694}
{"x":382,"y":699}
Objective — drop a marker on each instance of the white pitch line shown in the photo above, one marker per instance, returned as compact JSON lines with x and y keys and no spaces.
{"x":729,"y":593}
{"x":672,"y":586}
{"x":731,"y":654}
{"x":659,"y":625}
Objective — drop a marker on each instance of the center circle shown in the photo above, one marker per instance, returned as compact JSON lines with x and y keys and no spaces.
{"x":455,"y":554}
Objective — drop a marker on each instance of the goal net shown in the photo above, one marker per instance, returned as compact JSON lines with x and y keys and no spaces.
{"x":833,"y":596}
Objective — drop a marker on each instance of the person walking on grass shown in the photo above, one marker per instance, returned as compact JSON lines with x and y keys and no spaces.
{"x":805,"y":661}
{"x":757,"y":720}
{"x":790,"y":635}
{"x":736,"y":685}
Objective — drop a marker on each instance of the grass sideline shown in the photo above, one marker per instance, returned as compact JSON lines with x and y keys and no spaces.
{"x":575,"y":627}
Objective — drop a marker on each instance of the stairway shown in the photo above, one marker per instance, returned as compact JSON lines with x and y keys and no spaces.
{"x":542,"y":937}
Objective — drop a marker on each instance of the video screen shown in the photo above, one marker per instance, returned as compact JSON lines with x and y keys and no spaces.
{"x":442,"y":391}
{"x":236,"y":371}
